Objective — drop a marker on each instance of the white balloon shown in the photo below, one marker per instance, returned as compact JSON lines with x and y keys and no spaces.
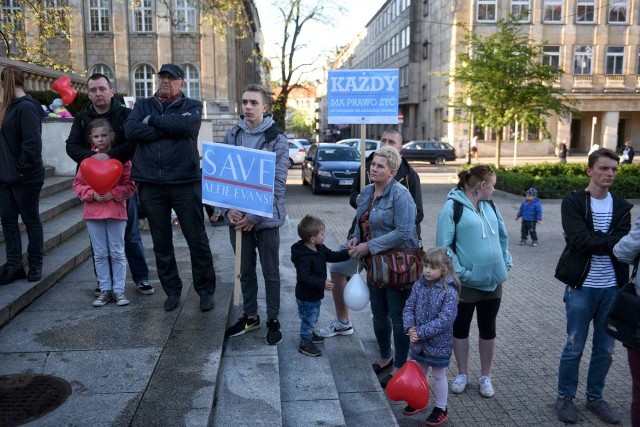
{"x":356,"y":293}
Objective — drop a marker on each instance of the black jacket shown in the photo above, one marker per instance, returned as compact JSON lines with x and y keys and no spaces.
{"x":311,"y":269}
{"x":21,"y":143}
{"x":406,"y":176}
{"x":78,"y":145}
{"x":582,"y":241}
{"x":167,"y":147}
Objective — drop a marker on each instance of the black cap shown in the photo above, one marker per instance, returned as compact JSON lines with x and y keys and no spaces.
{"x":172,"y":69}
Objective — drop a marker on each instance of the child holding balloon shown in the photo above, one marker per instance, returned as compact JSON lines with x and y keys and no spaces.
{"x":309,"y":255}
{"x":105,"y":214}
{"x":428,"y":318}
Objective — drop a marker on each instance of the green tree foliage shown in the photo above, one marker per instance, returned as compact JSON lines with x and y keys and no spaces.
{"x":45,"y":21}
{"x":220,"y":14}
{"x":505,"y":79}
{"x":301,"y":123}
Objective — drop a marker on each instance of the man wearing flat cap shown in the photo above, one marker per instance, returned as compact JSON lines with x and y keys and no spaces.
{"x":164,"y":129}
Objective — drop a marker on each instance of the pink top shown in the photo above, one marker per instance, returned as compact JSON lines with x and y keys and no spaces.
{"x":115,"y":208}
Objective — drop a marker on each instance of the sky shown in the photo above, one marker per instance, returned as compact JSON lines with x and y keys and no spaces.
{"x":321,"y":39}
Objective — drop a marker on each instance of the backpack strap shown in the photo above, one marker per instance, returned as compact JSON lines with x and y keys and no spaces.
{"x":457,"y":214}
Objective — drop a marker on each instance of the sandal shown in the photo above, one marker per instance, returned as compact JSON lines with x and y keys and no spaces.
{"x":377,"y":368}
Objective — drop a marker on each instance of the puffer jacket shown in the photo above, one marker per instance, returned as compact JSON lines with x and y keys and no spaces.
{"x":311,"y":269}
{"x":277,"y":143}
{"x":21,"y":143}
{"x":482,"y":259}
{"x":628,"y":249}
{"x":583,"y":241}
{"x":167,"y":147}
{"x":431,"y":309}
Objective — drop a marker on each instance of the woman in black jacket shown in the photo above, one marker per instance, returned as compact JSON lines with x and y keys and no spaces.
{"x":21,"y":177}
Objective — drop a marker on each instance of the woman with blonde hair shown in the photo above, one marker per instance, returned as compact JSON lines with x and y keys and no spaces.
{"x":21,"y":177}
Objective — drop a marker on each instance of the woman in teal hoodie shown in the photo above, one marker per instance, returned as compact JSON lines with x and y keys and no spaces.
{"x":479,"y":243}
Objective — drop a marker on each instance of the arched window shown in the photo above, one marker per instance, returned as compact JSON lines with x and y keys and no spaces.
{"x":103,"y":69}
{"x":191,"y":81}
{"x":143,"y":81}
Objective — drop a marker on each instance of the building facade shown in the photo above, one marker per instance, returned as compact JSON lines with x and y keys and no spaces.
{"x":128,"y":41}
{"x":595,"y":42}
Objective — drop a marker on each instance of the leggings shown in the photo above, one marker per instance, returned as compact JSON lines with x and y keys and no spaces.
{"x":440,"y":385}
{"x":487,"y":313}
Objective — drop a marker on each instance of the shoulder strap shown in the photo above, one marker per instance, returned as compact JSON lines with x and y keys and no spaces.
{"x":457,"y":214}
{"x":271,"y":133}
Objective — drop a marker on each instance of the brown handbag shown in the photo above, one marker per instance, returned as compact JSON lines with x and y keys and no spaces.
{"x":397,"y":268}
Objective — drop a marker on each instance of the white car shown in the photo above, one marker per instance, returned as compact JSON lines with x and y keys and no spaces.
{"x":371,"y":145}
{"x":304,"y":142}
{"x":296,"y":153}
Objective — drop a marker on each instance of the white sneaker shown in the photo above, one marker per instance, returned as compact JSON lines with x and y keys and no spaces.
{"x":120,"y":298}
{"x":459,"y":383}
{"x":336,"y":328}
{"x":486,"y":389}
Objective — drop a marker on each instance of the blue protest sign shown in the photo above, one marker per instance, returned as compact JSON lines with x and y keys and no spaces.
{"x":238,"y":178}
{"x":363,"y":96}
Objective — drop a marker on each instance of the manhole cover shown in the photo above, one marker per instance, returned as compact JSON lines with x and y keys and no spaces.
{"x":26,"y":397}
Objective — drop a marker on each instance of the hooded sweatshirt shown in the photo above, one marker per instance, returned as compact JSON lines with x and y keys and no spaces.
{"x":311,"y":269}
{"x":21,"y":142}
{"x":482,"y":259}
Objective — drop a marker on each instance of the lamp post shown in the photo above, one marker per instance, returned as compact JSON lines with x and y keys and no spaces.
{"x":469,"y":103}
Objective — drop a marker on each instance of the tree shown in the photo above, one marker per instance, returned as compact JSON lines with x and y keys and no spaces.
{"x":51,"y":21}
{"x":220,"y":14}
{"x":301,"y":123}
{"x":506,"y":80}
{"x":296,"y":14}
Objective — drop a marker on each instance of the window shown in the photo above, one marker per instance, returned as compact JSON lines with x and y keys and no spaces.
{"x":425,"y":7}
{"x":425,"y":49}
{"x":185,"y":16}
{"x":585,"y":11}
{"x":618,"y":11}
{"x":103,"y":69}
{"x":553,"y":11}
{"x":191,"y":81}
{"x":99,"y":16}
{"x":404,"y":76}
{"x":582,"y":59}
{"x":615,"y":60}
{"x":551,"y":56}
{"x":11,"y":15}
{"x":143,"y":86}
{"x":142,"y":16}
{"x":521,"y":9}
{"x":54,"y":12}
{"x":487,"y":10}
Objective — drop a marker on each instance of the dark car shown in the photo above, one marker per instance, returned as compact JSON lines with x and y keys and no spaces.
{"x":330,"y":167}
{"x":434,"y":152}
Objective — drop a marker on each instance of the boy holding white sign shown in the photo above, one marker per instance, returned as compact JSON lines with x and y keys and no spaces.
{"x":257,"y":130}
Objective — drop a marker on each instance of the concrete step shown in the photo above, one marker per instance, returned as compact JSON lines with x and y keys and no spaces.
{"x":278,"y":386}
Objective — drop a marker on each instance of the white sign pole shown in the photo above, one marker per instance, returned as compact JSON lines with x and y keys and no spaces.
{"x":363,"y":160}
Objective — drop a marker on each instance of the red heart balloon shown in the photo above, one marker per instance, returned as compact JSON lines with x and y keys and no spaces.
{"x":63,"y":87}
{"x":102,"y":176}
{"x":410,"y":385}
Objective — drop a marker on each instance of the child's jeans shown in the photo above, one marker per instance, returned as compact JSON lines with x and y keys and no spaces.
{"x":107,"y":242}
{"x":528,"y":227}
{"x":308,"y":311}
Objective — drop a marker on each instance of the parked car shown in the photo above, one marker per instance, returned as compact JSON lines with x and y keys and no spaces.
{"x":370,"y":146}
{"x":435,"y":152}
{"x":304,"y":142}
{"x":330,"y":167}
{"x":296,"y":153}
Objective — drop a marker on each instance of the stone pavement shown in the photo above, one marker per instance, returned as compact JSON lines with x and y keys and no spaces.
{"x":138,"y":365}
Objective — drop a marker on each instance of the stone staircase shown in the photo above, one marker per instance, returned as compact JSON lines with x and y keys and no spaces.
{"x":277,"y":386}
{"x":65,"y":245}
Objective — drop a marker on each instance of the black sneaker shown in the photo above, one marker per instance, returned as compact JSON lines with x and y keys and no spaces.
{"x":566,"y":410}
{"x":317,"y":339}
{"x":437,"y":417}
{"x":410,"y":410}
{"x":145,"y":288}
{"x":309,"y":349}
{"x":274,"y":336}
{"x":602,"y":410}
{"x":242,"y":326}
{"x":35,"y":273}
{"x":9,"y":274}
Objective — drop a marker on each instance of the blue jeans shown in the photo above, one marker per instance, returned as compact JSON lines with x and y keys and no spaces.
{"x":267,"y":242}
{"x":186,"y":201}
{"x":583,"y":306}
{"x":133,"y":247}
{"x":386,"y":307}
{"x":107,"y":242}
{"x":23,"y":200}
{"x":308,"y":312}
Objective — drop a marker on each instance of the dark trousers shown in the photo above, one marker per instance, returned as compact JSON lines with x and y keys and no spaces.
{"x":133,"y":247}
{"x":528,"y":227}
{"x":23,"y":200}
{"x":186,"y":201}
{"x":634,"y":367}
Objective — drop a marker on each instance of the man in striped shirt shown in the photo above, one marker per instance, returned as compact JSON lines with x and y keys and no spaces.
{"x":593,"y":220}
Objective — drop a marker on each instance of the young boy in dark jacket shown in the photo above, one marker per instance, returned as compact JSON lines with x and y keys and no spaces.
{"x":310,"y":256}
